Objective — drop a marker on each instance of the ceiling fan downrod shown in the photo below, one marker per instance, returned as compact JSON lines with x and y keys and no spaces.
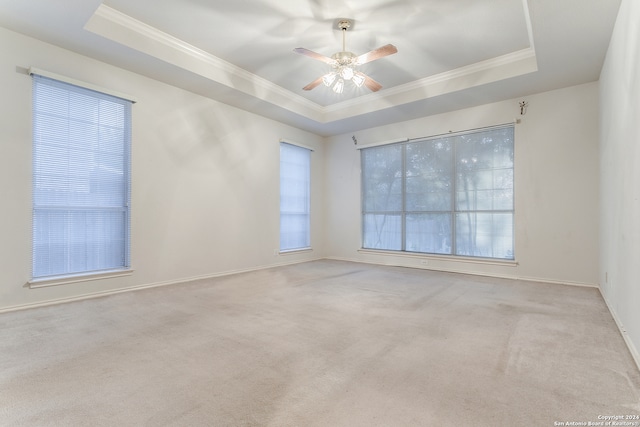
{"x":344,"y":25}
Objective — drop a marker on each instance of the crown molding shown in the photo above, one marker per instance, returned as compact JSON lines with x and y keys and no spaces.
{"x":494,"y":69}
{"x":132,"y":33}
{"x":128,"y":31}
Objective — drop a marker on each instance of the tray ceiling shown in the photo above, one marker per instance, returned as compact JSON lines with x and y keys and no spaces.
{"x":451,"y":54}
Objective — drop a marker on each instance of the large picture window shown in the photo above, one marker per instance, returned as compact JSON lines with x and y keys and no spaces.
{"x":449,"y":195}
{"x":295,"y":170}
{"x":81,"y":180}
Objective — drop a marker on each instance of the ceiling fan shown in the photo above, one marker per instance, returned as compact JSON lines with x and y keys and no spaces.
{"x":345,"y":64}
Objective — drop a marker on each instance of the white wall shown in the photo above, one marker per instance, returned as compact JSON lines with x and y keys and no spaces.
{"x":556,"y":179}
{"x":205,"y":182}
{"x":205,"y":192}
{"x":620,"y":173}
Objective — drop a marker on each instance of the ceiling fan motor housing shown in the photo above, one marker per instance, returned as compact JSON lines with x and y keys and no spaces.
{"x":344,"y":58}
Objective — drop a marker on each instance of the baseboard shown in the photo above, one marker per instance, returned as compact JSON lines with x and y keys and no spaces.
{"x":146,"y":286}
{"x":623,"y":331}
{"x":472,"y":273}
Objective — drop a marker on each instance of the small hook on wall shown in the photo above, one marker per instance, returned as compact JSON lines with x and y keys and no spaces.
{"x":523,"y":107}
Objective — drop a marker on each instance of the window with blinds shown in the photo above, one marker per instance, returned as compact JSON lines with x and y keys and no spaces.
{"x":81,"y":180}
{"x":295,"y":164}
{"x":448,"y":195}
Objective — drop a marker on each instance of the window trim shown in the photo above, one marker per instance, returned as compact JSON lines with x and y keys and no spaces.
{"x":442,"y":257}
{"x":45,"y":282}
{"x":295,"y":251}
{"x":53,"y":76}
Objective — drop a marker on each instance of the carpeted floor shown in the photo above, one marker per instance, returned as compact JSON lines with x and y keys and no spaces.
{"x":325,"y":343}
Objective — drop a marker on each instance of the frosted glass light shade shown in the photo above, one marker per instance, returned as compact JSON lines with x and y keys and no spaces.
{"x":339,"y":86}
{"x":358,"y":79}
{"x":328,"y":79}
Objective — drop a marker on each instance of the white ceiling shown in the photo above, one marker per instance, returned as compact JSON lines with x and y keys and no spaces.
{"x":452,"y":54}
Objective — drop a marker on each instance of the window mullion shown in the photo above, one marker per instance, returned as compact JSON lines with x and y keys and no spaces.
{"x":454,"y":189}
{"x":403,"y":217}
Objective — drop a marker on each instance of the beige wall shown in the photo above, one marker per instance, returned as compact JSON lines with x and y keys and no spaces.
{"x":620,"y":174}
{"x":205,"y":191}
{"x":556,"y":179}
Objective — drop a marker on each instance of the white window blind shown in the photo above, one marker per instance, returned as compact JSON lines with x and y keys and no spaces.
{"x":442,"y":195}
{"x":295,"y":163}
{"x":81,"y":179}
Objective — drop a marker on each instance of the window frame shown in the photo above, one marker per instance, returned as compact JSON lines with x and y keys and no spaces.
{"x":72,"y":275}
{"x":404,"y":211}
{"x":306,"y":211}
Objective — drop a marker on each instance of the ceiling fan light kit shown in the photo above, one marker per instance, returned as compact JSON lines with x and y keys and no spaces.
{"x":345,"y":64}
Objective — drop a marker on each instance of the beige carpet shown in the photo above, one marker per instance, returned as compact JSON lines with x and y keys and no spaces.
{"x":325,"y":343}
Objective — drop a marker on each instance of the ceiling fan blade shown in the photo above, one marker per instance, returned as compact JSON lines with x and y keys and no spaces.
{"x":314,"y":55}
{"x":371,"y":84}
{"x":378,"y":53}
{"x":313,"y":84}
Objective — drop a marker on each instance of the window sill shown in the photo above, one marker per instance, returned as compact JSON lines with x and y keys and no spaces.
{"x":447,"y":258}
{"x":294,"y":251}
{"x":76,"y":278}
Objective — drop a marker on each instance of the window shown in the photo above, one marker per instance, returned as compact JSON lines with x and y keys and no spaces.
{"x":449,"y":195}
{"x":81,"y":179}
{"x":295,"y":163}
